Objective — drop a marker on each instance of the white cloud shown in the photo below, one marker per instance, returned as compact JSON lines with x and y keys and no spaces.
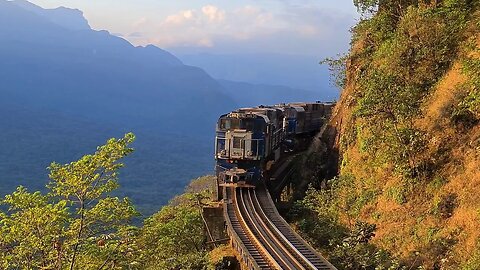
{"x":181,"y":17}
{"x":213,"y":27}
{"x":140,"y":22}
{"x":214,"y":13}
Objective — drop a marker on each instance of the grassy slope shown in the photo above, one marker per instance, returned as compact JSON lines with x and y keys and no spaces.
{"x":431,"y":220}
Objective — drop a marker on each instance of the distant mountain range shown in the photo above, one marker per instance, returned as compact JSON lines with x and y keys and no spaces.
{"x":99,"y":76}
{"x":263,"y":69}
{"x":248,"y":94}
{"x":66,"y":88}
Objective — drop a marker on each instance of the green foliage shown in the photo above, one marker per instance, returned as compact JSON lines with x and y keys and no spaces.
{"x":366,"y":5}
{"x":174,"y":238}
{"x":30,"y":229}
{"x":445,"y":205}
{"x":355,"y":252}
{"x":318,"y":218}
{"x":76,"y":225}
{"x":467,"y":111}
{"x":399,"y":61}
{"x":474,"y":262}
{"x":397,"y":194}
{"x":87,"y":179}
{"x":400,"y":51}
{"x":435,"y":184}
{"x":337,"y":67}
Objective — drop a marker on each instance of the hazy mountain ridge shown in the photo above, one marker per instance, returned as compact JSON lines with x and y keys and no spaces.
{"x":64,"y":91}
{"x":67,"y":88}
{"x":293,"y":71}
{"x":72,"y":19}
{"x":131,"y":85}
{"x":249,"y":94}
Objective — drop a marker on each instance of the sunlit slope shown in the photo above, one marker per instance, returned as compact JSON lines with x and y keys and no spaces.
{"x":408,"y":132}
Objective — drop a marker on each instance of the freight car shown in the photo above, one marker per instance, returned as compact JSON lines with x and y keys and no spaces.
{"x":249,"y":140}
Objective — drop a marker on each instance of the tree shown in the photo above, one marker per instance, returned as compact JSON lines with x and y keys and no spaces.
{"x":76,"y":225}
{"x":31,"y":230}
{"x":174,"y":237}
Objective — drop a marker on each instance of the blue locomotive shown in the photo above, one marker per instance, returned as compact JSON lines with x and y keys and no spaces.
{"x":249,"y":141}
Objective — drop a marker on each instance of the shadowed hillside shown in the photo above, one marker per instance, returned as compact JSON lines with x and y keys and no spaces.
{"x":65,"y":88}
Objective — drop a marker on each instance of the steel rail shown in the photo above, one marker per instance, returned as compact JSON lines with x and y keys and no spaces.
{"x":259,"y":230}
{"x":273,"y":232}
{"x":244,"y":214}
{"x":285,"y":241}
{"x":262,"y":237}
{"x":314,"y":258}
{"x":248,"y":249}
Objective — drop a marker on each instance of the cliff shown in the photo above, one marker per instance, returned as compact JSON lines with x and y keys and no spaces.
{"x":406,"y":130}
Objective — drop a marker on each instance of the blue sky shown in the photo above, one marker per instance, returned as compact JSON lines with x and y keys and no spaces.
{"x":224,"y":26}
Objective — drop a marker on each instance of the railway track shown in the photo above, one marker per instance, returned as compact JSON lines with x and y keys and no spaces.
{"x":262,"y":237}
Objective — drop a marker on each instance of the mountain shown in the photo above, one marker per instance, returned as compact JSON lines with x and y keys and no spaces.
{"x":248,"y":94}
{"x":293,"y":71}
{"x":66,"y":88}
{"x":100,"y":76}
{"x":68,"y":18}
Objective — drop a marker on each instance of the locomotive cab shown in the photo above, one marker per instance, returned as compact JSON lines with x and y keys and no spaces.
{"x":240,"y":144}
{"x":240,"y":136}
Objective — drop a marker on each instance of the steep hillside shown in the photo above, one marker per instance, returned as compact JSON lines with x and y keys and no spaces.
{"x":408,"y":137}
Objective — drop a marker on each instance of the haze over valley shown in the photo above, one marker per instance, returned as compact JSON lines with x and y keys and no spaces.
{"x":110,"y":157}
{"x":66,"y":88}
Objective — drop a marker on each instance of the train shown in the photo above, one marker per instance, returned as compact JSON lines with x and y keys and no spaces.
{"x":248,"y":141}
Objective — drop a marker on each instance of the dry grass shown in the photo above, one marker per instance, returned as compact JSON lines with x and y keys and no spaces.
{"x":416,"y":225}
{"x":217,"y":254}
{"x":436,"y":112}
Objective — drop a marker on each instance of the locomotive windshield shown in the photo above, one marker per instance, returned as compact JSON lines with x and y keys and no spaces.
{"x":250,"y":124}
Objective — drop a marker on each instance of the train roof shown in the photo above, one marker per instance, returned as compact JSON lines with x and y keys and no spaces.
{"x":262,"y":110}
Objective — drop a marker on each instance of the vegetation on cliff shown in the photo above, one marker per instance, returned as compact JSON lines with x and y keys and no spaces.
{"x":407,"y":130}
{"x":78,"y":224}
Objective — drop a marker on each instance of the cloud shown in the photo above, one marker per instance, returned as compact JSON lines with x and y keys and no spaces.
{"x":214,"y":13}
{"x":135,"y":35}
{"x":140,"y":22}
{"x":213,"y":27}
{"x":181,"y":17}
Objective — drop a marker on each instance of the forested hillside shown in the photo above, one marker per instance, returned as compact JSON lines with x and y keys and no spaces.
{"x":407,"y":134}
{"x":65,"y":88}
{"x":79,"y":224}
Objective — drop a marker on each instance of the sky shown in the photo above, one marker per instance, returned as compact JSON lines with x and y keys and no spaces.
{"x":305,"y":27}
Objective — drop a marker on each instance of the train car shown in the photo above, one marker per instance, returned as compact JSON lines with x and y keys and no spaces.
{"x":249,"y":140}
{"x":245,"y":139}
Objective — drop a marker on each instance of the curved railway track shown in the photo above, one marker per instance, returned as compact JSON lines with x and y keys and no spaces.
{"x":262,"y":237}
